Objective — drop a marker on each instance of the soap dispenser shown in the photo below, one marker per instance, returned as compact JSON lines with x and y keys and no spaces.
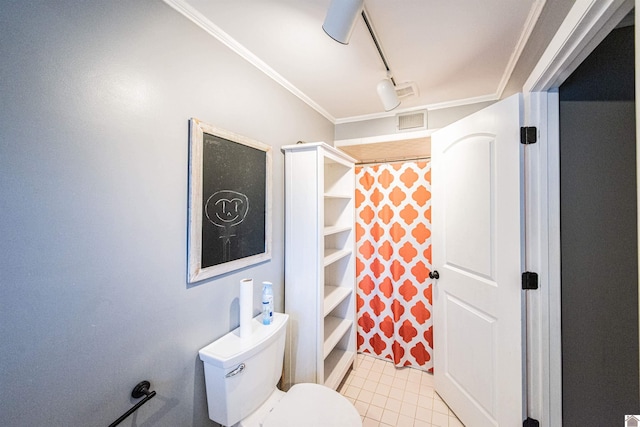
{"x":267,"y":303}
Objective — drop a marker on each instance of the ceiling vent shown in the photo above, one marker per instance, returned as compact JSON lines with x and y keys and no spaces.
{"x":412,"y":121}
{"x":404,"y":90}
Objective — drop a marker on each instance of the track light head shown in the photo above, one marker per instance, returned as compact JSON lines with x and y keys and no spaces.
{"x":341,"y":19}
{"x":387,"y":94}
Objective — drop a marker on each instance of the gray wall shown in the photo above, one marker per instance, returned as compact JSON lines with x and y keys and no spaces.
{"x":95,"y":98}
{"x":598,"y":223}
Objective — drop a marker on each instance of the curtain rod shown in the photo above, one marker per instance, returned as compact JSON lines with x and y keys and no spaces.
{"x":379,"y":162}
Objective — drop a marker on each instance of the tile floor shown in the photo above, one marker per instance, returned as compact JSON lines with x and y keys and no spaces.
{"x":386,"y":396}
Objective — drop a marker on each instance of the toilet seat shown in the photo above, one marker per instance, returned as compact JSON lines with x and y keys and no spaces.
{"x":313,"y":405}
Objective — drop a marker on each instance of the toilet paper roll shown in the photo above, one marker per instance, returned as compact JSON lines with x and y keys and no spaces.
{"x":246,"y":307}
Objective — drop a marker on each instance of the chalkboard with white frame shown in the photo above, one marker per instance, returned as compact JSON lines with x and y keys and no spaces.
{"x":229,"y":201}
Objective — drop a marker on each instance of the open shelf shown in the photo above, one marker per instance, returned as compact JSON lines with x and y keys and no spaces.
{"x":334,"y":195}
{"x":338,"y":211}
{"x":333,"y":255}
{"x":334,"y":295}
{"x":319,"y":228}
{"x":338,"y":175}
{"x":334,"y":330}
{"x":335,"y":229}
{"x":336,"y":366}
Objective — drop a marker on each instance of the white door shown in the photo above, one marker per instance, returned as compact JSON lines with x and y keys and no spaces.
{"x":478,"y":317}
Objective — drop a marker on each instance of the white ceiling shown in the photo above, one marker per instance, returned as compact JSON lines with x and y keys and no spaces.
{"x":456,"y":51}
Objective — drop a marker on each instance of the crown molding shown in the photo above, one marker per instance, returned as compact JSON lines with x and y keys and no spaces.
{"x":185,"y":9}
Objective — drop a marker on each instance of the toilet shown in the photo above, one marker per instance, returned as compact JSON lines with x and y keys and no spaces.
{"x":241,"y":375}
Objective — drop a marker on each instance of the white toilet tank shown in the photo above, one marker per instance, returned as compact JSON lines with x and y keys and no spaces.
{"x":241,"y":373}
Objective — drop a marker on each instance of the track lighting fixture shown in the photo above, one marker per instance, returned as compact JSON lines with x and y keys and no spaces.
{"x":339,"y":23}
{"x":341,"y":18}
{"x":387,"y":94}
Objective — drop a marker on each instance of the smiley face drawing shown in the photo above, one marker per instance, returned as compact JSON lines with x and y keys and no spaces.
{"x":226,"y":209}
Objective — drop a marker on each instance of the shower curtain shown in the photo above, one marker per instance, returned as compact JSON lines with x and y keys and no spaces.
{"x":393,"y":261}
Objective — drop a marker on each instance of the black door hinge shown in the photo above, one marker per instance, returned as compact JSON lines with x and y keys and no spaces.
{"x":528,"y":135}
{"x":529,"y":280}
{"x":530,"y":422}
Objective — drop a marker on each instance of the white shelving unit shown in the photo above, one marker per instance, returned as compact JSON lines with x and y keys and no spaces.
{"x":319,"y":264}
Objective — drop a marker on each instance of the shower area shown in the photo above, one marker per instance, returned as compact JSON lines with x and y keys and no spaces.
{"x":393,"y":259}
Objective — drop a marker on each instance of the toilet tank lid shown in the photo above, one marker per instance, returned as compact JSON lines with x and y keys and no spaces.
{"x":230,"y":349}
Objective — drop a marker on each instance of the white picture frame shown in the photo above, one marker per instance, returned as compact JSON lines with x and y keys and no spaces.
{"x":229,"y":207}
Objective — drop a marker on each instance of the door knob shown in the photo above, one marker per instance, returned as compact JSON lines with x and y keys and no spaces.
{"x":434,"y":274}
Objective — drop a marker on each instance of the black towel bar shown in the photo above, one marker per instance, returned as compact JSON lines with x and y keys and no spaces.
{"x":142,"y":389}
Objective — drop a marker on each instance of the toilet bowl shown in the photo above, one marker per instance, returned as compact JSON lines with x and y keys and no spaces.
{"x":241,"y":375}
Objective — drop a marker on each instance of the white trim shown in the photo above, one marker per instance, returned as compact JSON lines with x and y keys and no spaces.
{"x":384,"y":138}
{"x":586,"y":25}
{"x":428,"y":107}
{"x":465,"y":101}
{"x":185,"y":9}
{"x":533,"y":244}
{"x":542,"y":210}
{"x":201,"y":21}
{"x":637,"y":67}
{"x":552,"y":259}
{"x":383,"y":115}
{"x":530,"y":23}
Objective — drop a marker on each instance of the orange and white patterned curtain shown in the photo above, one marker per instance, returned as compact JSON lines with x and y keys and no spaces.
{"x":393,"y":261}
